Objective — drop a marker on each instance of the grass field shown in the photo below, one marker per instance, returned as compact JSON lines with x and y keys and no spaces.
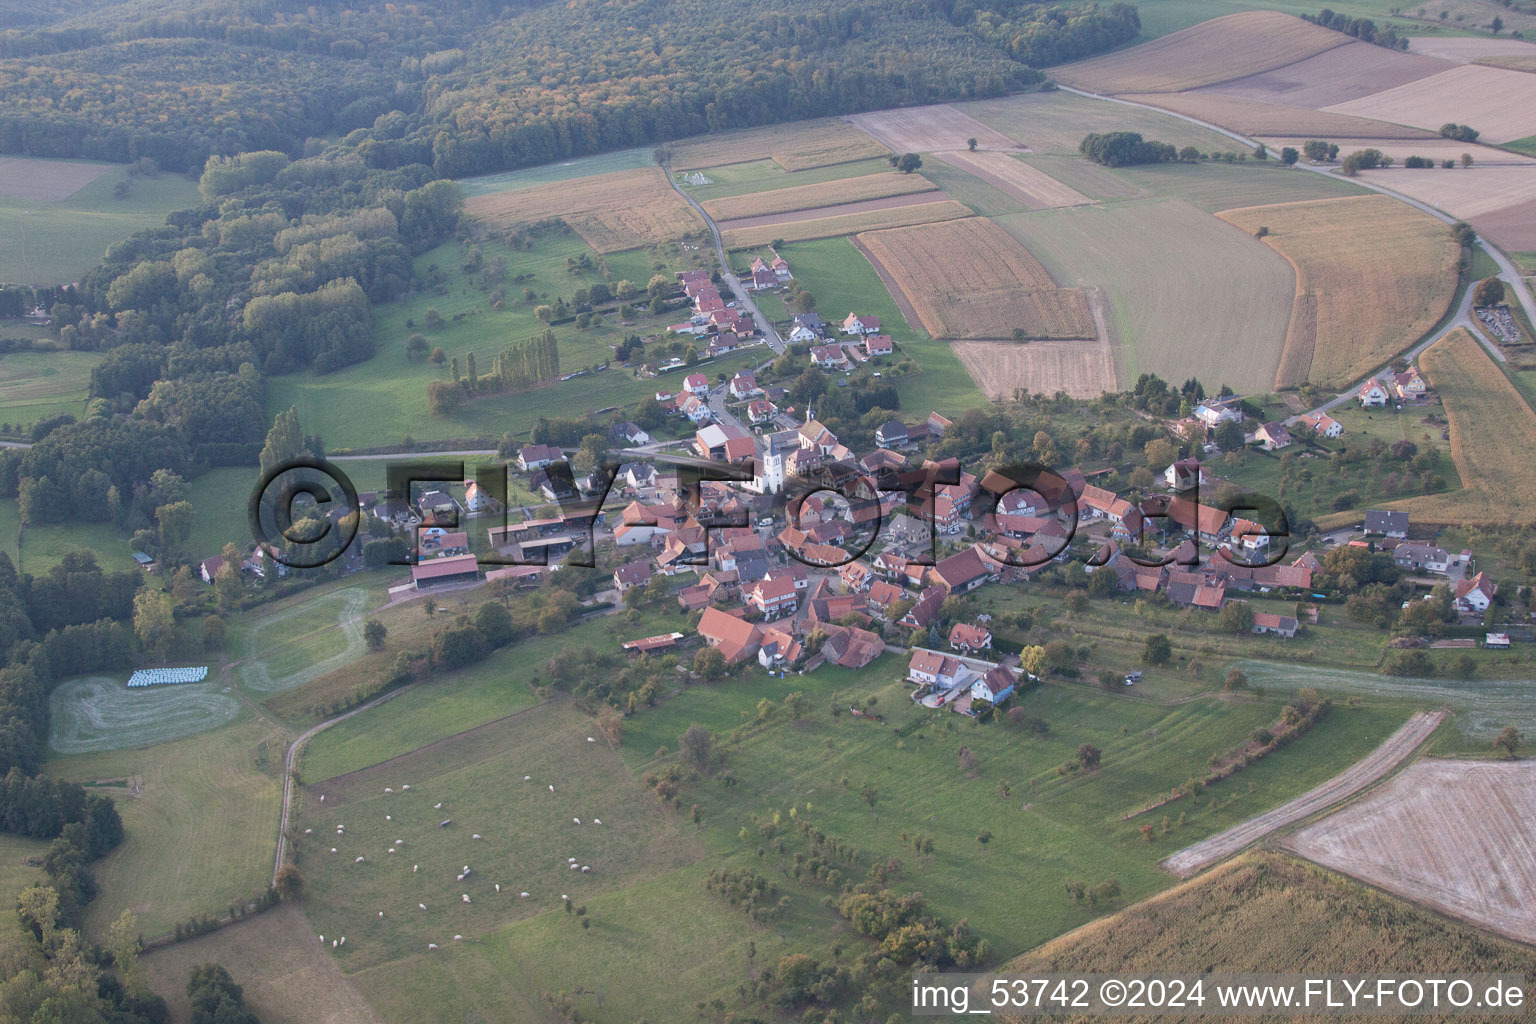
{"x":528,"y":833}
{"x":36,"y":385}
{"x":1213,"y":51}
{"x":1372,"y":276}
{"x":1024,"y":182}
{"x":285,"y":647}
{"x":845,"y":224}
{"x":1481,"y":405}
{"x":55,"y":240}
{"x":806,"y":197}
{"x":200,"y":835}
{"x":794,"y":147}
{"x":764,"y":175}
{"x":1214,"y":187}
{"x":1212,"y":304}
{"x":546,"y":174}
{"x":843,"y":282}
{"x":612,"y":212}
{"x":1054,"y":123}
{"x":14,"y":877}
{"x":385,"y":399}
{"x":971,"y":279}
{"x":276,"y":960}
{"x":99,"y":713}
{"x":1271,"y":913}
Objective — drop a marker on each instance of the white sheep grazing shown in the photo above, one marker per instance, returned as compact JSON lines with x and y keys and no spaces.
{"x":405,"y":787}
{"x":458,"y":878}
{"x":388,"y":818}
{"x":308,"y":831}
{"x":524,"y":895}
{"x":390,"y":850}
{"x":458,"y":938}
{"x":343,"y":940}
{"x":333,"y":849}
{"x":527,"y":778}
{"x":466,"y":869}
{"x":437,"y":806}
{"x":597,"y":821}
{"x":333,"y":943}
{"x":564,"y":896}
{"x":322,"y":940}
{"x":388,"y":790}
{"x":322,"y":798}
{"x":591,"y":740}
{"x":498,"y":887}
{"x":465,"y":897}
{"x":475,"y":836}
{"x":381,"y":915}
{"x":415,"y":868}
{"x":358,"y":861}
{"x":576,"y":820}
{"x":573,"y":867}
{"x":399,"y":842}
{"x":585,"y":869}
{"x":431,"y":945}
{"x":551,"y":789}
{"x":423,"y":906}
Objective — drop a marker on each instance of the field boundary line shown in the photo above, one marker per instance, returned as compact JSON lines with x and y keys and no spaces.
{"x":1382,"y":761}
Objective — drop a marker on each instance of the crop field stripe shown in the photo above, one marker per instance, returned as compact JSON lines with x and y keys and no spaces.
{"x":834,"y":227}
{"x":807,"y":197}
{"x":795,"y":147}
{"x":1024,"y":182}
{"x":612,"y":212}
{"x":1499,"y":102}
{"x":929,"y":129}
{"x":849,"y":209}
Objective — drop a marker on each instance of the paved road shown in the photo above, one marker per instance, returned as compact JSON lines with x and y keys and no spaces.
{"x":1347,"y":783}
{"x":743,"y":297}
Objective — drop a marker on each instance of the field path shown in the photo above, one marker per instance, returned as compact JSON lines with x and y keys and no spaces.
{"x":1347,"y":783}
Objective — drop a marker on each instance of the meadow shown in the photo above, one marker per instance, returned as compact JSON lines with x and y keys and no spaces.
{"x":545,"y":174}
{"x":96,"y":714}
{"x":1372,"y":276}
{"x":201,"y":832}
{"x":794,"y":147}
{"x":283,"y":647}
{"x":38,"y":384}
{"x":52,"y":239}
{"x":805,"y":197}
{"x":1054,"y":123}
{"x":1215,"y":186}
{"x":1189,"y":296}
{"x":736,"y":179}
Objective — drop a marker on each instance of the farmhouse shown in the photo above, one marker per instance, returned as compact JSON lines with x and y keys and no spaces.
{"x":733,"y":637}
{"x":444,"y":571}
{"x":853,"y":323}
{"x":994,"y":687}
{"x":960,"y":573}
{"x":1371,"y":395}
{"x":851,"y":647}
{"x":774,"y":597}
{"x":724,"y":442}
{"x":968,"y":637}
{"x":631,"y":574}
{"x":1097,"y":503}
{"x":1387,"y":523}
{"x":1272,"y":436}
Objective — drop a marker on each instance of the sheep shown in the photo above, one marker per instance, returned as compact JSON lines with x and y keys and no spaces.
{"x":399,"y":842}
{"x":358,"y":861}
{"x":390,"y":850}
{"x":322,"y":940}
{"x":458,"y":938}
{"x":585,"y":869}
{"x":597,"y":821}
{"x":551,"y":789}
{"x":431,"y":945}
{"x":466,"y":869}
{"x":524,"y":895}
{"x":381,"y":915}
{"x":423,"y":906}
{"x":333,"y":943}
{"x":388,"y":790}
{"x":308,"y":831}
{"x":458,"y":878}
{"x":333,"y":849}
{"x":322,"y":798}
{"x":498,"y":887}
{"x":475,"y":836}
{"x":415,"y":868}
{"x":576,"y":820}
{"x":343,"y":940}
{"x":564,"y":896}
{"x":591,"y":740}
{"x":465,"y":897}
{"x":405,"y":787}
{"x":573,"y":867}
{"x":437,"y":806}
{"x":527,"y":778}
{"x":388,"y":818}
{"x":445,"y":823}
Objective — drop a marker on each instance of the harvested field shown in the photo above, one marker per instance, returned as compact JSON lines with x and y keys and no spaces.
{"x":1188,"y":296}
{"x":1467,"y":49}
{"x":1455,"y":835}
{"x":1338,"y":75}
{"x":1029,"y":185}
{"x":1492,"y":430}
{"x":851,"y":224}
{"x":1495,"y":198}
{"x":1212,"y":51}
{"x":276,"y":959}
{"x":1381,"y":274}
{"x":839,"y":210}
{"x":805,"y":197}
{"x":929,"y":129}
{"x":46,"y":181}
{"x":1382,"y":760}
{"x":1083,"y":369}
{"x":1499,"y":103}
{"x":1435,"y":148}
{"x":1520,"y":63}
{"x":611,"y":212}
{"x":1271,"y":912}
{"x":970,"y":279}
{"x":1513,"y":227}
{"x":794,"y":147}
{"x":1254,"y":117}
{"x":1464,"y":14}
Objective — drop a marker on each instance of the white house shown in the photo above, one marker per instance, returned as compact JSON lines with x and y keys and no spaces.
{"x":696,"y":383}
{"x":1473,"y":596}
{"x":1214,"y":414}
{"x":475,"y":499}
{"x":934,"y":669}
{"x":853,"y":323}
{"x":1372,"y":395}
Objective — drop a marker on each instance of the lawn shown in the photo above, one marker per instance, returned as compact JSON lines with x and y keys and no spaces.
{"x":220,"y":499}
{"x":43,"y":547}
{"x":1189,"y":296}
{"x":384,"y":399}
{"x":56,"y":242}
{"x":201,"y":833}
{"x":36,"y":385}
{"x":843,"y":282}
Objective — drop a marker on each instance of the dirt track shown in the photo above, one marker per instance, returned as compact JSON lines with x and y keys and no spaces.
{"x":1352,"y":780}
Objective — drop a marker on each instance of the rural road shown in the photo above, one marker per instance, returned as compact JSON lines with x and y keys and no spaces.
{"x":1347,"y":783}
{"x":743,"y":297}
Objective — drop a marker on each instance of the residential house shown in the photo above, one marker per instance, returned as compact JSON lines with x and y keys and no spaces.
{"x":1213,"y":413}
{"x":925,"y":612}
{"x":994,"y":687}
{"x":1276,"y":625}
{"x":762,"y":280}
{"x":931,"y":668}
{"x":695,"y":408}
{"x":851,"y":647}
{"x":537,"y":456}
{"x":778,"y":649}
{"x":878,"y":345}
{"x":1272,"y":436}
{"x":631,"y":574}
{"x":829,"y":357}
{"x":744,"y":385}
{"x":1205,"y":521}
{"x":209,"y":568}
{"x":1409,"y":386}
{"x":882,"y":596}
{"x":1321,"y":424}
{"x":761,"y":411}
{"x":1098,"y":503}
{"x":891,"y":434}
{"x":1249,"y":537}
{"x":853,"y":323}
{"x":1386,"y":522}
{"x":967,"y":636}
{"x":696,"y":383}
{"x":1473,"y":596}
{"x":808,"y":327}
{"x":721,"y":344}
{"x":960,"y":573}
{"x":475,"y":498}
{"x":856,"y":576}
{"x":632,"y":433}
{"x":1184,"y":474}
{"x":1371,"y":395}
{"x":733,"y":637}
{"x":774,"y":597}
{"x":1421,"y":558}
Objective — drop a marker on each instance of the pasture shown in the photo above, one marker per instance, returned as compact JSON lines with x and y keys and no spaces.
{"x":1213,"y":51}
{"x":1188,"y":296}
{"x":547,"y":174}
{"x":611,"y":212}
{"x":36,"y":385}
{"x":1337,"y":75}
{"x":59,"y":216}
{"x":1499,"y":103}
{"x":1055,"y":123}
{"x":805,"y":230}
{"x":527,"y":830}
{"x":1269,"y":912}
{"x":95,"y":714}
{"x":1480,"y":404}
{"x":200,"y":830}
{"x":764,"y":175}
{"x":798,"y":146}
{"x":15,"y":876}
{"x":1372,"y":276}
{"x":807,"y":197}
{"x":285,"y":647}
{"x":1452,"y":834}
{"x":275,"y":958}
{"x":930,"y":129}
{"x":1257,"y":118}
{"x":971,"y":279}
{"x":1028,"y":184}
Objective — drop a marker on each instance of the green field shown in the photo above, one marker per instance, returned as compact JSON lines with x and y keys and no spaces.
{"x":43,"y":547}
{"x":1190,"y":295}
{"x":384,"y":399}
{"x":99,"y":713}
{"x":1055,"y":122}
{"x":766,"y":176}
{"x":582,"y":167}
{"x":1160,"y":17}
{"x":1213,"y":187}
{"x":36,"y":385}
{"x":843,"y":282}
{"x":200,"y":835}
{"x":57,"y":242}
{"x":289,"y":646}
